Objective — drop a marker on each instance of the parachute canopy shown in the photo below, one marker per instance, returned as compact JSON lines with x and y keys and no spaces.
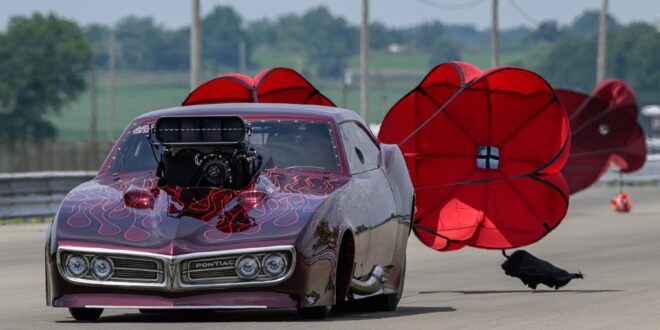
{"x":604,"y":129}
{"x":274,"y":85}
{"x":484,"y":151}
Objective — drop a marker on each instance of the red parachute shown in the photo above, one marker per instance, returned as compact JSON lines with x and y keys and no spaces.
{"x":604,"y":129}
{"x":274,"y":85}
{"x":484,"y":151}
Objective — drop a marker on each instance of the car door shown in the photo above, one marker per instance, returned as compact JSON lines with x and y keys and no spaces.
{"x":377,"y":207}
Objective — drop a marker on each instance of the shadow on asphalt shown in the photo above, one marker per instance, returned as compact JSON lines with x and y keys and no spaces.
{"x":275,"y":315}
{"x":519,"y":291}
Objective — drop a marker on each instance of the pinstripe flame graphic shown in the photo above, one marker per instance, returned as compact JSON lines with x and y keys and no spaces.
{"x":135,"y":208}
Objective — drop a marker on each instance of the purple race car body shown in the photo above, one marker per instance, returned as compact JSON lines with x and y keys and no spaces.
{"x":326,"y":219}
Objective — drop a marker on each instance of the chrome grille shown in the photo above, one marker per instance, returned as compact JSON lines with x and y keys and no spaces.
{"x":191,"y":271}
{"x":211,"y":274}
{"x":216,"y":269}
{"x":129,"y":269}
{"x":140,"y":270}
{"x":135,"y":275}
{"x":135,"y":263}
{"x":219,"y":270}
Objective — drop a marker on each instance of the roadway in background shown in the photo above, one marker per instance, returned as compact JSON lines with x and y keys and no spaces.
{"x":618,"y":253}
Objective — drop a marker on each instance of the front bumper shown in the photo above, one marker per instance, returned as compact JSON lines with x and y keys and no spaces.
{"x":173,"y":271}
{"x":306,"y":283}
{"x":216,"y":300}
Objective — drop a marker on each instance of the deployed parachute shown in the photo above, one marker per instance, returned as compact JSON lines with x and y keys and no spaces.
{"x":274,"y":85}
{"x":604,"y":129}
{"x":484,"y":151}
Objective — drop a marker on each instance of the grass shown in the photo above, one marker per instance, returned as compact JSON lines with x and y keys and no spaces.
{"x":392,"y":75}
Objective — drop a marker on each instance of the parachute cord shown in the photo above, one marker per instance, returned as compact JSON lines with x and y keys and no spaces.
{"x":620,"y":181}
{"x":504,"y":254}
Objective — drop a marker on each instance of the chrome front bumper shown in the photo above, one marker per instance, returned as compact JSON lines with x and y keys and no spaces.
{"x":142,"y":270}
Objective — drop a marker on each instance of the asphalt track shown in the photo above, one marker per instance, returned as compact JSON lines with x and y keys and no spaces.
{"x":618,"y":253}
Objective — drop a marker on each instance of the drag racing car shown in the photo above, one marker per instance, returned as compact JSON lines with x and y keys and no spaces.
{"x":224,"y":206}
{"x":261,"y":193}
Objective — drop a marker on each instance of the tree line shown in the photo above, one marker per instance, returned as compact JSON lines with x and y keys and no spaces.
{"x":44,"y":59}
{"x":565,"y":55}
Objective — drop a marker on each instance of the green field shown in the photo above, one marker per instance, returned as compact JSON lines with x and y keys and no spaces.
{"x":392,"y":75}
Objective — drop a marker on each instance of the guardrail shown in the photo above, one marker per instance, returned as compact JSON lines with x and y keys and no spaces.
{"x":649,"y":173}
{"x":34,"y":196}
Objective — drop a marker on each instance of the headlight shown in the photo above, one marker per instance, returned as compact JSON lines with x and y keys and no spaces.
{"x":275,"y":264}
{"x":101,"y":268}
{"x":76,"y":265}
{"x":247,"y":267}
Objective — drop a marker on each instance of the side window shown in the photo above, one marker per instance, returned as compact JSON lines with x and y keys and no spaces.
{"x":361,"y":150}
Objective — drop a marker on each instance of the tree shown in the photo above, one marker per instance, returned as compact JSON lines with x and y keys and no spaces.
{"x":426,"y":35}
{"x":442,"y":50}
{"x":431,"y":39}
{"x":570,"y":63}
{"x":633,"y":56}
{"x":222,"y":32}
{"x":43,"y":64}
{"x":588,"y":23}
{"x":142,"y":44}
{"x":547,"y":31}
{"x":381,"y":36}
{"x":97,"y":36}
{"x":262,"y":32}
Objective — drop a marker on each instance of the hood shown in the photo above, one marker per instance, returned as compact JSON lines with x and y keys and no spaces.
{"x":132,"y":212}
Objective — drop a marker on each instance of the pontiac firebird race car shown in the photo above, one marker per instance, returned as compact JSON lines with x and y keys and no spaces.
{"x":235,"y":206}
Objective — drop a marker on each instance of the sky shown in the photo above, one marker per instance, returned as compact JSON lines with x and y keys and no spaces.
{"x":398,"y":13}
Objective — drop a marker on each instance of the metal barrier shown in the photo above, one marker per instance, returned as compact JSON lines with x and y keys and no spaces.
{"x":36,"y":195}
{"x":650,"y":173}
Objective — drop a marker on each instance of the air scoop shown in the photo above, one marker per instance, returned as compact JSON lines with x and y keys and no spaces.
{"x":140,"y":199}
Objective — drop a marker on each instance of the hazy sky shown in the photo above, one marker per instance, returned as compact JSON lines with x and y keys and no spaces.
{"x":175,"y":13}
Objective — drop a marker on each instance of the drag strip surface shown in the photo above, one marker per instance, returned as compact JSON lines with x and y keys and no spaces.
{"x":618,"y":253}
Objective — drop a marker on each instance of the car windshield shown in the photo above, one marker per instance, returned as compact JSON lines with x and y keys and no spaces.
{"x":308,"y":145}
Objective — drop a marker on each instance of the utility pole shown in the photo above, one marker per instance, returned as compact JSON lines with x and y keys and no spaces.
{"x":112,"y":66}
{"x":364,"y":65}
{"x":195,"y":47}
{"x":93,"y":122}
{"x":242,"y":57}
{"x":601,"y":60}
{"x":494,"y":36}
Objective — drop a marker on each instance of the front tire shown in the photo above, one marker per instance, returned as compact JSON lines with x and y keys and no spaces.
{"x":314,"y":313}
{"x":85,"y":314}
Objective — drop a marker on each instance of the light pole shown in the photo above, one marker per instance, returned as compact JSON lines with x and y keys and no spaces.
{"x":601,"y":65}
{"x":364,"y":65}
{"x":494,"y":36}
{"x":195,"y":46}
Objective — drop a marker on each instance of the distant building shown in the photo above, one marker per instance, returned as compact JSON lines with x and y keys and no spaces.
{"x":395,"y":48}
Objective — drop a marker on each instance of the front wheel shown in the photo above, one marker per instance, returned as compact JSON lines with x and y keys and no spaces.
{"x":314,"y":313}
{"x":85,"y":314}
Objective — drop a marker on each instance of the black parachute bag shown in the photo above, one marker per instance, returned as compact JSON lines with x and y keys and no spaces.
{"x":532,"y":270}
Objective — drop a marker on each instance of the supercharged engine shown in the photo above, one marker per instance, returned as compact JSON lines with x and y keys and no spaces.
{"x":206,"y":151}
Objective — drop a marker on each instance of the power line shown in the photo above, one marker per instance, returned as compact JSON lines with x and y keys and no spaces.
{"x":464,"y":5}
{"x":523,"y":13}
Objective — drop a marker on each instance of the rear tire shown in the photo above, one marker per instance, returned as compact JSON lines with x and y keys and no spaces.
{"x":314,"y":313}
{"x":86,"y":314}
